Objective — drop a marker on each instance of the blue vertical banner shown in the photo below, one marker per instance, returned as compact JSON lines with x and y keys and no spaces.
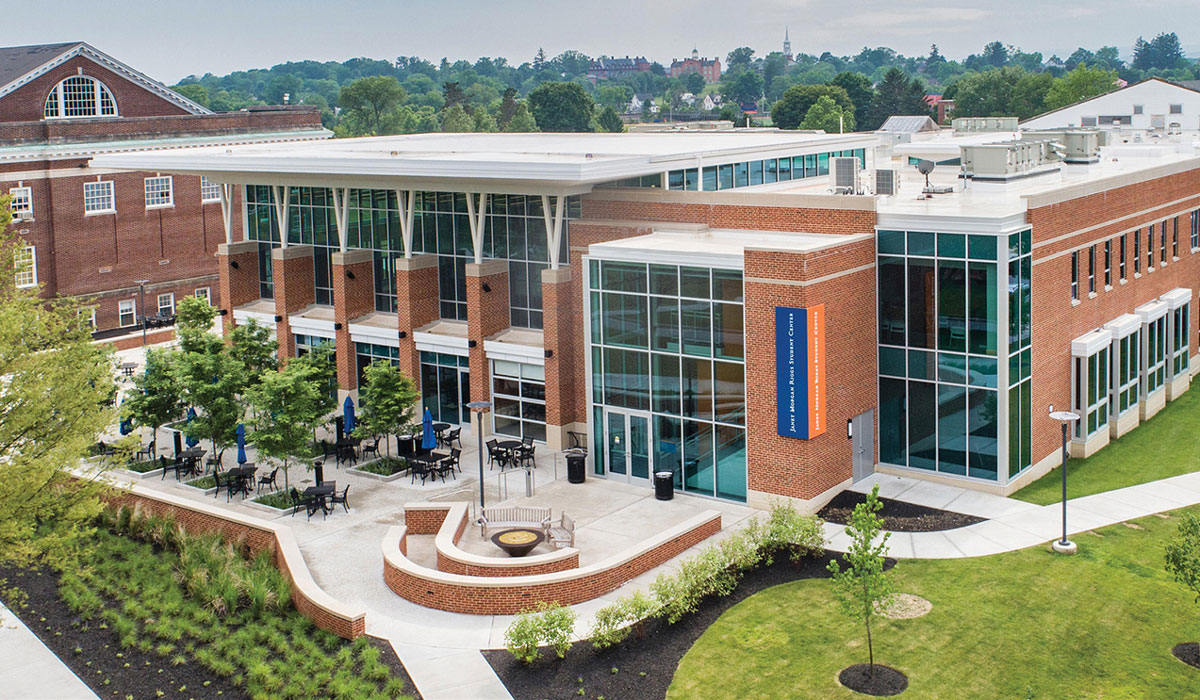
{"x":800,"y":371}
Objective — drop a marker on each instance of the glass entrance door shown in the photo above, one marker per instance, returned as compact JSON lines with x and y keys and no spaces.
{"x":627,"y":436}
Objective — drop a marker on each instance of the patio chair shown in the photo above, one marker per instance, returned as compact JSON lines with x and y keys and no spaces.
{"x":328,"y":450}
{"x":497,"y":455}
{"x":372,"y":449}
{"x":268,"y":479}
{"x":298,"y":501}
{"x":147,"y":452}
{"x":452,"y":436}
{"x":419,"y":467}
{"x":344,"y":499}
{"x":562,"y":533}
{"x":447,"y":463}
{"x":221,"y":480}
{"x":525,"y":451}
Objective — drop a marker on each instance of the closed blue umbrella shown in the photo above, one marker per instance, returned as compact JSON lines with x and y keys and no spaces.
{"x":126,"y":424}
{"x":191,"y":441}
{"x":428,"y":439}
{"x":348,"y":415}
{"x":241,"y":439}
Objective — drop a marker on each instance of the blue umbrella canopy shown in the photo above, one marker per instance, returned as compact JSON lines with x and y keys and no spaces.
{"x":191,"y":441}
{"x":126,"y":424}
{"x":348,"y":415}
{"x":428,"y":439}
{"x":241,"y":440}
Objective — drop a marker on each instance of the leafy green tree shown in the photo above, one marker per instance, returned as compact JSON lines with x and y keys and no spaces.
{"x":1183,"y":554}
{"x":55,"y":401}
{"x":897,"y":94}
{"x":210,"y":380}
{"x":508,"y":107}
{"x":740,"y":58}
{"x":694,"y":82}
{"x":560,"y":106}
{"x":370,"y":102}
{"x":1029,"y":95}
{"x":155,"y":400}
{"x":745,"y":87}
{"x":195,"y":92}
{"x":454,"y":95}
{"x":286,"y":407}
{"x":193,"y":319}
{"x":386,"y":401}
{"x":860,"y":91}
{"x":522,"y":121}
{"x":251,"y":344}
{"x":863,"y":588}
{"x":1163,"y":51}
{"x":608,"y":121}
{"x":774,"y":66}
{"x":1080,"y":84}
{"x":456,"y":119}
{"x":826,"y":114}
{"x":986,"y":94}
{"x":791,"y":109}
{"x":615,"y":96}
{"x":484,"y":122}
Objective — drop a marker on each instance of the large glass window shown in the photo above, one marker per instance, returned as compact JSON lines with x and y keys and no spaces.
{"x":1127,"y":373}
{"x":1156,"y":354}
{"x":446,"y":387}
{"x":1090,"y":401}
{"x":366,"y":353}
{"x":1180,"y":340}
{"x":670,"y":340}
{"x":80,"y":96}
{"x":519,"y":399}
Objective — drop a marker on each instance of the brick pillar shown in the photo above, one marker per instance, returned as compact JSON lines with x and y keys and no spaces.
{"x":487,"y":315}
{"x":564,"y":367}
{"x":353,"y":297}
{"x":292,"y":271}
{"x":237,"y":268}
{"x":416,"y":306}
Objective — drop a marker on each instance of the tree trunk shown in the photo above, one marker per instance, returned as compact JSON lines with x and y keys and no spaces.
{"x":870,"y":651}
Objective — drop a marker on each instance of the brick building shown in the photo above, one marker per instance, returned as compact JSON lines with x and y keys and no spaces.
{"x":710,"y":68}
{"x":93,"y":232}
{"x":604,"y":68}
{"x":737,"y":308}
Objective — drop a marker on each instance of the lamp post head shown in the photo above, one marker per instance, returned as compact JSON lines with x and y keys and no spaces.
{"x":480,"y":406}
{"x":1064,"y":416}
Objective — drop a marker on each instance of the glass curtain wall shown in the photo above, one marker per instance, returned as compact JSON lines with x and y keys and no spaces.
{"x":366,"y":353}
{"x":668,"y":342}
{"x":446,"y":387}
{"x":1156,"y":354}
{"x":1091,"y":399}
{"x":1180,"y":340}
{"x":748,"y":173}
{"x":1127,"y":374}
{"x":519,"y":399}
{"x":940,"y":347}
{"x":1020,"y":352}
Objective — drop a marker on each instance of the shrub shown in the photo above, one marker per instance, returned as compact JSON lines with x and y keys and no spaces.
{"x":801,"y":535}
{"x":548,"y":623}
{"x":614,"y":622}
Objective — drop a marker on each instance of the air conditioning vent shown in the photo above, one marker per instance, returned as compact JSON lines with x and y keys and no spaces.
{"x":845,"y":173}
{"x":887,"y":181}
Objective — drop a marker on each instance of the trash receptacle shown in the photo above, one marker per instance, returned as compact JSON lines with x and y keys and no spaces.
{"x":664,"y":485}
{"x":576,"y":467}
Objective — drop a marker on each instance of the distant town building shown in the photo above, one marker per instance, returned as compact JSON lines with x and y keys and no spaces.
{"x":1153,"y":103}
{"x":941,"y":106}
{"x":605,"y":68}
{"x":710,"y":68}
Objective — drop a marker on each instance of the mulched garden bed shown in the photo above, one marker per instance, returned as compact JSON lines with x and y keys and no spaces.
{"x":887,"y":680}
{"x":1188,"y":653}
{"x":93,"y":653}
{"x":898,"y":516}
{"x":638,"y":668}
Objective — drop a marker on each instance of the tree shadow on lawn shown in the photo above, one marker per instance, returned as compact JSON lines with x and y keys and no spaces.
{"x":645,"y":667}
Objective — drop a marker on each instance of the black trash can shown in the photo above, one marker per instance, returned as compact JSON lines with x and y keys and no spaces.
{"x":664,"y":485}
{"x":576,"y":467}
{"x":405,"y":445}
{"x":319,"y":471}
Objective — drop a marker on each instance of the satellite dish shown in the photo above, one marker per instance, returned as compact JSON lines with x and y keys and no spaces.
{"x":925,"y":167}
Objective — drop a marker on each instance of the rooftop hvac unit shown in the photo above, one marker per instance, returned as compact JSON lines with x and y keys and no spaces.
{"x":887,"y":181}
{"x":845,"y":173}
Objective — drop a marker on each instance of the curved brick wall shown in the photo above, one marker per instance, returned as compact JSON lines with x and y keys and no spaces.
{"x":449,"y":520}
{"x":508,"y":595}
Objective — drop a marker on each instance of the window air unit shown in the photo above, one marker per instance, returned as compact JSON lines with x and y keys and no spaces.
{"x":845,"y":174}
{"x":887,"y":181}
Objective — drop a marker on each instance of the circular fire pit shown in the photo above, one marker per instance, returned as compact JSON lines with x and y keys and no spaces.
{"x":519,"y":541}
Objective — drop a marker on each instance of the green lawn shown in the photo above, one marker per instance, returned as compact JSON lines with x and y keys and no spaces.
{"x":1167,"y":445}
{"x":1026,"y":624}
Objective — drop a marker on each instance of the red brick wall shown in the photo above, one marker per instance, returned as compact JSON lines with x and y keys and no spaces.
{"x":435,"y":519}
{"x":352,"y":298}
{"x":1059,"y":229}
{"x":416,"y":306}
{"x":491,"y":599}
{"x":487,"y":315}
{"x":236,"y":286}
{"x":562,"y":335}
{"x":789,"y":466}
{"x":28,"y":102}
{"x":293,"y":291}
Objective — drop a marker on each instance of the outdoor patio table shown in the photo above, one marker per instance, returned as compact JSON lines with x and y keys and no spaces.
{"x":428,"y":466}
{"x":510,"y":448}
{"x":439,"y":428}
{"x":519,"y":541}
{"x":193,"y":456}
{"x":319,"y":494}
{"x":127,"y":368}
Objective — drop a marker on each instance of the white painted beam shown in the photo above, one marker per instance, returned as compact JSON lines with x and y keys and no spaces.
{"x":477,"y":215}
{"x":281,"y":194}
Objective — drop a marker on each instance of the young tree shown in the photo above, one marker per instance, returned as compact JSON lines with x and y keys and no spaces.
{"x":195,"y":92}
{"x":156,"y":400}
{"x":252,"y":345}
{"x":54,"y":401}
{"x":791,"y":109}
{"x":386,"y":401}
{"x":286,"y":406}
{"x":508,"y":107}
{"x":1183,"y":554}
{"x":694,"y":82}
{"x":826,"y":114}
{"x":210,"y":380}
{"x":455,"y":119}
{"x":863,"y":588}
{"x":561,"y":107}
{"x":608,"y":121}
{"x":193,"y":319}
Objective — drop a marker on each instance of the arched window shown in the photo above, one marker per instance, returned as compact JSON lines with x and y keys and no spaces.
{"x":80,"y":96}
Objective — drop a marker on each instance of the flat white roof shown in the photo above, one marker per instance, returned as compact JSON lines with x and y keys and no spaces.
{"x":480,"y":162}
{"x":712,"y":247}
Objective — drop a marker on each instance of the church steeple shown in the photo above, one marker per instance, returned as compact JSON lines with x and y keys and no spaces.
{"x":787,"y":45}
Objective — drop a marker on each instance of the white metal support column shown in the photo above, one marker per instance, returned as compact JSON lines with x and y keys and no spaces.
{"x":406,"y":200}
{"x":341,"y":214}
{"x":281,"y":194}
{"x":226,"y":194}
{"x":554,"y":221}
{"x":477,"y":214}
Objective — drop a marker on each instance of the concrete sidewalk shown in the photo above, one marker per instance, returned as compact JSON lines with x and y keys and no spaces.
{"x":31,"y":671}
{"x":1013,"y":524}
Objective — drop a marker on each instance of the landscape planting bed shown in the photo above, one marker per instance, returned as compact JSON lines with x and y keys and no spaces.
{"x":898,"y":516}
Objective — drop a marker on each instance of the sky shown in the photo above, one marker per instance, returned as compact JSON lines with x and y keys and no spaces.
{"x":169,"y":39}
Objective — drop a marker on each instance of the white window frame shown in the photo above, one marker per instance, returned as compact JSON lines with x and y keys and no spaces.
{"x":170,"y":297}
{"x":56,"y":100}
{"x":1128,"y":372}
{"x":155,"y":190}
{"x":126,"y":307}
{"x":204,"y":293}
{"x":209,"y":191}
{"x":25,"y":264}
{"x":22,"y":200}
{"x":103,"y":197}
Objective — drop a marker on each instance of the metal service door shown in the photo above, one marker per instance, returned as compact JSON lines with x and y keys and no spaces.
{"x":862,"y":428}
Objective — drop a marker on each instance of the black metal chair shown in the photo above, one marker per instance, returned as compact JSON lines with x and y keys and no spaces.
{"x":344,"y":499}
{"x":372,"y":449}
{"x":268,"y":479}
{"x":221,"y":480}
{"x":525,"y":452}
{"x":147,"y":452}
{"x":328,"y":450}
{"x":298,"y":501}
{"x":497,"y":455}
{"x":451,"y":437}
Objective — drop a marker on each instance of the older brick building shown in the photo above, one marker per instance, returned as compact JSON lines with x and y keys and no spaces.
{"x":94,"y":232}
{"x":741,"y":309}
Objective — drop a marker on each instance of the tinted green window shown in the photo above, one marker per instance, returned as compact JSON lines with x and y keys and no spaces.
{"x":891,"y":242}
{"x":893,"y":442}
{"x":952,"y":306}
{"x":922,"y":425}
{"x":922,"y":365}
{"x":741,"y":174}
{"x":982,"y":371}
{"x":731,"y":462}
{"x":891,"y":361}
{"x":709,"y":181}
{"x":696,"y":333}
{"x":729,"y":334}
{"x":696,"y":388}
{"x":664,"y":320}
{"x":982,"y":247}
{"x":724,"y":177}
{"x":694,"y":282}
{"x":698,"y":457}
{"x":921,"y":243}
{"x":666,"y":383}
{"x":785,"y":169}
{"x":664,"y":279}
{"x":951,"y":245}
{"x":952,"y":429}
{"x":756,"y":172}
{"x":922,"y":313}
{"x":952,"y":368}
{"x":981,"y":318}
{"x":891,"y":300}
{"x":625,"y":320}
{"x":726,"y":285}
{"x":624,"y":277}
{"x":982,"y":462}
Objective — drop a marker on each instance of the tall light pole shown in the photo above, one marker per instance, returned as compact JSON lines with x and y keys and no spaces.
{"x":142,"y":292}
{"x":479,"y":408}
{"x":1064,"y":546}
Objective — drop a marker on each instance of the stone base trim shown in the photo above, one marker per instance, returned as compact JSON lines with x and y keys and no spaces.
{"x":509,"y":595}
{"x":807,"y":506}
